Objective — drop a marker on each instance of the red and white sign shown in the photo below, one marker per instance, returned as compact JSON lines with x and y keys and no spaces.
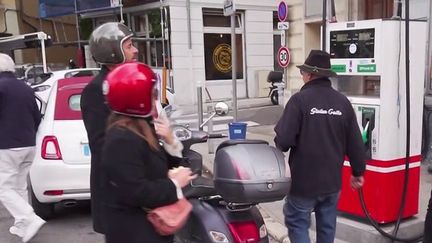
{"x":284,"y":57}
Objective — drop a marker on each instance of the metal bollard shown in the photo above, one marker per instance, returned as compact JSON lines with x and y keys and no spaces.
{"x":200,"y":107}
{"x":280,"y":89}
{"x":210,"y":142}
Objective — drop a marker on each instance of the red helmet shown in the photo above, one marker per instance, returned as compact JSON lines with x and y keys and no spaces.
{"x":129,"y":89}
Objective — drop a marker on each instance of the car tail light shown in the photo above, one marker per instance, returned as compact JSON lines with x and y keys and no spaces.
{"x":244,"y":232}
{"x":50,"y":148}
{"x":53,"y":193}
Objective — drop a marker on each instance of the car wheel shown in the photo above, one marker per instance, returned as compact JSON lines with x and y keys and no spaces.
{"x":43,"y":210}
{"x":274,"y":98}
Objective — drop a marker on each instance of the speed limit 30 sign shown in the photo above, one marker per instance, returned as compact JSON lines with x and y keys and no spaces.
{"x":284,"y":57}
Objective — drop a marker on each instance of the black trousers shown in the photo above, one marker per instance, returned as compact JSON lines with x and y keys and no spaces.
{"x":428,"y":223}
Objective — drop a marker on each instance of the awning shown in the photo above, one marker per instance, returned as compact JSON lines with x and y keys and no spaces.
{"x":55,"y":8}
{"x":31,"y":40}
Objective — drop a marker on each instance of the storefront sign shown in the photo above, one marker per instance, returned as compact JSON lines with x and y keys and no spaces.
{"x":222,"y":58}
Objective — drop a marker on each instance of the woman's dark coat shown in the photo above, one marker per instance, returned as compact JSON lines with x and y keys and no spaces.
{"x":136,"y":178}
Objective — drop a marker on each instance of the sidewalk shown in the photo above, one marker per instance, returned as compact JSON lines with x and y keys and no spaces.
{"x":241,"y":104}
{"x":348,"y":230}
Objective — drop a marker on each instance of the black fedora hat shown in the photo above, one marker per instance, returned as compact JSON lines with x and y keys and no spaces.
{"x":318,"y":63}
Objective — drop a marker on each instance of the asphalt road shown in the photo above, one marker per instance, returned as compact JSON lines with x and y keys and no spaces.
{"x":73,"y":225}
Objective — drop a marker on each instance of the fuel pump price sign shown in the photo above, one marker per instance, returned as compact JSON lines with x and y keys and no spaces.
{"x":284,"y":57}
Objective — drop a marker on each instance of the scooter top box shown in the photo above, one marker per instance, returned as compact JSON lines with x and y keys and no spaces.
{"x":250,"y":171}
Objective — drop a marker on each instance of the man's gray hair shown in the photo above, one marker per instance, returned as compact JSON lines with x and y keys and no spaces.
{"x":6,"y":63}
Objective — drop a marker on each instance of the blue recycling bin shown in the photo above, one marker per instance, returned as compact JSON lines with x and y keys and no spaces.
{"x":237,"y":130}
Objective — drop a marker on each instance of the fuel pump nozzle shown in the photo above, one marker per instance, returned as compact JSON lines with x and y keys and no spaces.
{"x":364,"y":133}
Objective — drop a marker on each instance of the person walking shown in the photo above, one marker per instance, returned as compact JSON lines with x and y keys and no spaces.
{"x":17,"y":149}
{"x":110,"y":45}
{"x":140,"y":174}
{"x":319,"y":127}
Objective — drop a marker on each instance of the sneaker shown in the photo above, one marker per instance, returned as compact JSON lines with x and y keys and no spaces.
{"x":15,"y":230}
{"x":32,"y":228}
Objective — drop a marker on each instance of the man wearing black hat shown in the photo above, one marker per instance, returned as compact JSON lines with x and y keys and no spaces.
{"x":319,"y":127}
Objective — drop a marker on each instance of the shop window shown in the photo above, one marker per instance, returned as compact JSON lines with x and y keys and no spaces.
{"x":377,"y":9}
{"x":215,"y":18}
{"x":218,"y":64}
{"x":217,"y":44}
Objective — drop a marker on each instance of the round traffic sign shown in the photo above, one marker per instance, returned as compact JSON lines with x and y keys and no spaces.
{"x":282,"y":11}
{"x":284,"y":57}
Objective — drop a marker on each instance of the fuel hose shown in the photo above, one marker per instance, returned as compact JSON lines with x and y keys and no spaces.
{"x":393,"y":236}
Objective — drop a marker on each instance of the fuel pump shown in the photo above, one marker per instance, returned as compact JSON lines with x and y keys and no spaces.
{"x":368,"y":58}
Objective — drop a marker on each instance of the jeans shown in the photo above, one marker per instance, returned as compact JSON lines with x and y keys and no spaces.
{"x":297,"y":211}
{"x":14,"y":168}
{"x":428,"y":223}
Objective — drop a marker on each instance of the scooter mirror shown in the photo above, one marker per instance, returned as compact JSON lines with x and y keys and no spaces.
{"x":168,"y":109}
{"x":221,"y":109}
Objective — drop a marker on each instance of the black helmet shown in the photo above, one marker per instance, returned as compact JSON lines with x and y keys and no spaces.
{"x":106,"y":42}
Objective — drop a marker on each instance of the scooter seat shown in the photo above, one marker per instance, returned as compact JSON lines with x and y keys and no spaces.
{"x":200,"y":187}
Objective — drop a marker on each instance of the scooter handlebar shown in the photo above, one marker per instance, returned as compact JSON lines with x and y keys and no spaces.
{"x":217,"y":135}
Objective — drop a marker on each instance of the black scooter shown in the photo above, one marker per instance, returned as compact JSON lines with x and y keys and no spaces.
{"x":224,"y":208}
{"x":274,"y":77}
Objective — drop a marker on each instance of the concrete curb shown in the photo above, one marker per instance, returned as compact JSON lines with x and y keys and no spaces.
{"x":275,"y":229}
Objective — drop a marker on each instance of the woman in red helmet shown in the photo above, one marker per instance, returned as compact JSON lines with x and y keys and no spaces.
{"x":136,"y":167}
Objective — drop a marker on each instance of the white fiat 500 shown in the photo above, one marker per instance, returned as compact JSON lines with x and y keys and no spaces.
{"x":44,"y":82}
{"x":61,"y":168}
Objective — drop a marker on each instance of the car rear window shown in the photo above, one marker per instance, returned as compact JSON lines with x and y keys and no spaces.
{"x":74,"y":102}
{"x":69,"y":98}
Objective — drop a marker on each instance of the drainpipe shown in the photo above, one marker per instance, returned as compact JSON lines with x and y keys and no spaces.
{"x":188,"y":9}
{"x":333,"y":12}
{"x":324,"y":25}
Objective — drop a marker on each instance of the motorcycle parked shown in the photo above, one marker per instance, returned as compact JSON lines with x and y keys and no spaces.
{"x":274,"y":77}
{"x":246,"y":173}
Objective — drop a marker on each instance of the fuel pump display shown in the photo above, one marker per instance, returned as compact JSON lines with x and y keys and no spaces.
{"x":353,"y":44}
{"x":367,"y":56}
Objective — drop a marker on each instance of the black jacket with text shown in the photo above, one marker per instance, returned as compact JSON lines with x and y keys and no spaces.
{"x":319,"y":127}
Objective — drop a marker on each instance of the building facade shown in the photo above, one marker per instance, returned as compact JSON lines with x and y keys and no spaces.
{"x":195,"y":40}
{"x":189,"y":41}
{"x":22,"y":16}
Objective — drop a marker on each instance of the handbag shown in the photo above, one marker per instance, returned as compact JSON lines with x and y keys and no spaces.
{"x":170,"y":218}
